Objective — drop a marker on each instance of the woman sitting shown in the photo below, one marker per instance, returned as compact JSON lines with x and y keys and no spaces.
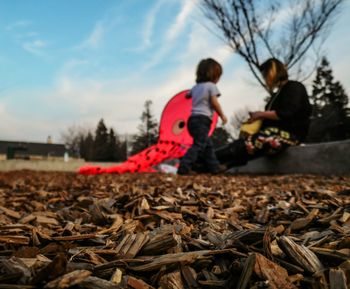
{"x":285,"y":121}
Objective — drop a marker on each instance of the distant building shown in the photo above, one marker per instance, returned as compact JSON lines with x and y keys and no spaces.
{"x":30,"y":150}
{"x":49,"y":139}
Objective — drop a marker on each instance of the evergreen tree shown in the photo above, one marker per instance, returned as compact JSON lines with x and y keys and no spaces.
{"x":122,"y":151}
{"x":148,"y":130}
{"x":114,"y":146}
{"x":86,"y":147}
{"x":89,"y":144}
{"x":100,"y":147}
{"x":105,"y":145}
{"x":330,"y":116}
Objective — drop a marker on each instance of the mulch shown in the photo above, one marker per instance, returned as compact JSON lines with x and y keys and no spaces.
{"x":64,"y":230}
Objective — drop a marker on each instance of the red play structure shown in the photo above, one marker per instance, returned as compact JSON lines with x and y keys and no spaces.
{"x":174,"y":140}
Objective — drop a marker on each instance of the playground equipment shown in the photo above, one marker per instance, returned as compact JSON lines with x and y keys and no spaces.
{"x":173,"y":142}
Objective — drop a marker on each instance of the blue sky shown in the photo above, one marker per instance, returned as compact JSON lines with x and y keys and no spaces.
{"x":70,"y":63}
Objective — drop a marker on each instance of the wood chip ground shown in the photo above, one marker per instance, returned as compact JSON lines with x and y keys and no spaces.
{"x":64,"y":230}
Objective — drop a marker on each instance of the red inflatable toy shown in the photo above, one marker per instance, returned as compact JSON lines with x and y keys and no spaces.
{"x":174,"y":140}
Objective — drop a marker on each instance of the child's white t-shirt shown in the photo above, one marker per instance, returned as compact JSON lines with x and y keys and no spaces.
{"x":200,"y":94}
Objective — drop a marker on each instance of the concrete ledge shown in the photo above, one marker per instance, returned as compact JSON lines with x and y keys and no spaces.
{"x":41,"y":165}
{"x":72,"y":165}
{"x":332,"y":158}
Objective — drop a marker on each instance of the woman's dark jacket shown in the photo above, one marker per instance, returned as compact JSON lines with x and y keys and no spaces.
{"x":293,"y":109}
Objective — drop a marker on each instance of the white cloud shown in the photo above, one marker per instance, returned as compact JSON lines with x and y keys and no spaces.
{"x":149,"y":26}
{"x":36,"y":46}
{"x":29,"y":40}
{"x":18,"y":25}
{"x":32,"y":34}
{"x":72,"y":67}
{"x":181,"y":20}
{"x":172,"y":33}
{"x":95,"y":38}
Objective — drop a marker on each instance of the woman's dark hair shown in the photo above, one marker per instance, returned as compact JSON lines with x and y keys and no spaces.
{"x":208,"y":70}
{"x":274,"y":69}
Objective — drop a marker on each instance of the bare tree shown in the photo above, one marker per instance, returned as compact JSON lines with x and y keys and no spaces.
{"x":285,"y":29}
{"x":73,"y":137}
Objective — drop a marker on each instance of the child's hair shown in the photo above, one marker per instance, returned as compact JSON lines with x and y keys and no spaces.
{"x":208,"y":70}
{"x":274,"y":71}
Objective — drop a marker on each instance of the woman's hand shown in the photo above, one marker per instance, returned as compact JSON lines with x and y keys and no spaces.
{"x":269,"y":114}
{"x":255,"y":116}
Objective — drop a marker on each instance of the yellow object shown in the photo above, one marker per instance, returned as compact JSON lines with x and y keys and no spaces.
{"x":251,"y":128}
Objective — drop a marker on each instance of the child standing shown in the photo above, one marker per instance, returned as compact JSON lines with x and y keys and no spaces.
{"x":204,"y":102}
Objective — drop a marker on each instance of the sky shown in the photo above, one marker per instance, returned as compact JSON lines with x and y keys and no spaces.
{"x":67,"y":63}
